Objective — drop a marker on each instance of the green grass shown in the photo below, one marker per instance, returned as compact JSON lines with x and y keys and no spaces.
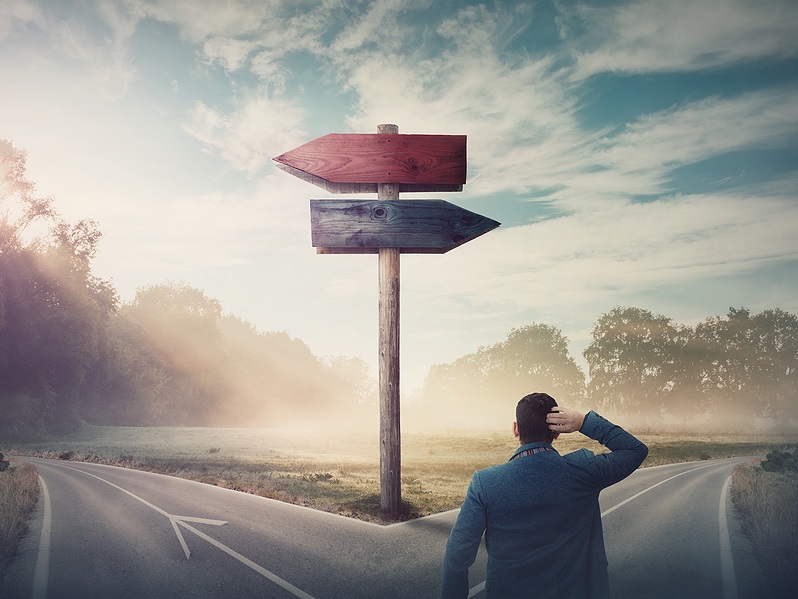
{"x":338,"y":471}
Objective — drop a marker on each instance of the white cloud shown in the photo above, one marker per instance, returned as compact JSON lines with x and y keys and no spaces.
{"x":765,"y":118}
{"x":100,"y":56}
{"x":379,"y":25}
{"x":18,"y":13}
{"x":261,"y":127}
{"x":199,"y":20}
{"x":230,"y":53}
{"x":685,"y":35}
{"x":588,"y":258}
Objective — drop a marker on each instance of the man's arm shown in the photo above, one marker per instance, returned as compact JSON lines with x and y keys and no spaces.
{"x":463,"y":543}
{"x":628,"y":452}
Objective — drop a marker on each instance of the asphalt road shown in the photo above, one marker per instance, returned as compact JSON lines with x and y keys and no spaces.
{"x":101,"y":531}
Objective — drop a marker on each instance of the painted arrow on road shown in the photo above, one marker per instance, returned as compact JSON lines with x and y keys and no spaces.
{"x":181,"y":520}
{"x":175,"y":520}
{"x":427,"y":162}
{"x":414,"y":226}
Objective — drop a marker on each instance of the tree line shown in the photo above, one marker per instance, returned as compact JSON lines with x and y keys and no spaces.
{"x":725,"y":371}
{"x":71,"y":352}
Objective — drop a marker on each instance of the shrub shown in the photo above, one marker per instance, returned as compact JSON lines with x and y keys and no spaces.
{"x":3,"y":463}
{"x":783,"y":462}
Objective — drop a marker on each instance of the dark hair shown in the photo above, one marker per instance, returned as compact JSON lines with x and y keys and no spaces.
{"x":530,"y":414}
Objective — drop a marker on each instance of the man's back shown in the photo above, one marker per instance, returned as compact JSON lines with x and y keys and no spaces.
{"x":541,"y":519}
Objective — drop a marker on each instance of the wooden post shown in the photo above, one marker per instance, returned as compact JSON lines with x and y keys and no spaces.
{"x":390,"y":432}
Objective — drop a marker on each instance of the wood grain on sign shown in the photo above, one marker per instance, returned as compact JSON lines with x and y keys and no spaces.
{"x":382,"y":158}
{"x":331,"y":187}
{"x":413,"y":226}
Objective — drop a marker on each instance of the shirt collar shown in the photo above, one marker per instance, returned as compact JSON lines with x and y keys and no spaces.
{"x":530,"y":447}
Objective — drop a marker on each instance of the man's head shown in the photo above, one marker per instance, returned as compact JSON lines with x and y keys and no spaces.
{"x":530,"y":418}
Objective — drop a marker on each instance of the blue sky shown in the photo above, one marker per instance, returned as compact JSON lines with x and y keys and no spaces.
{"x":637,"y":153}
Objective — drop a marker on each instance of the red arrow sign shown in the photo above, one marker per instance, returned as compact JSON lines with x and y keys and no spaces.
{"x":382,"y":158}
{"x":413,"y":226}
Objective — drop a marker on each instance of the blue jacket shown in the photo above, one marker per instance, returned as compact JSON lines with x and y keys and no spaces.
{"x":541,"y":519}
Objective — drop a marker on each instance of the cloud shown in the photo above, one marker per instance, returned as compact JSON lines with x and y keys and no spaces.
{"x":99,"y":54}
{"x":587,"y":258}
{"x":18,"y":14}
{"x":651,"y":36}
{"x":524,"y":132}
{"x":381,"y":26}
{"x":766,"y":118}
{"x":199,"y":20}
{"x":231,"y":54}
{"x":640,"y":158}
{"x":262,"y":125}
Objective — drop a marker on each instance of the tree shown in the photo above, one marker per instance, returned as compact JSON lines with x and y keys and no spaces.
{"x":632,"y":360}
{"x":177,"y":326}
{"x":777,"y":366}
{"x":483,"y":387}
{"x":353,"y":389}
{"x":19,"y":207}
{"x":750,"y":364}
{"x":52,"y":310}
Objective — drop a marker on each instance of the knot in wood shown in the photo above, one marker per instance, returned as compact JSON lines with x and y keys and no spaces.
{"x":380,"y":211}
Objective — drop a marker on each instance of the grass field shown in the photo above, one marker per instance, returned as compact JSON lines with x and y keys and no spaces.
{"x":768,"y":505}
{"x":339,"y":471}
{"x":19,"y":488}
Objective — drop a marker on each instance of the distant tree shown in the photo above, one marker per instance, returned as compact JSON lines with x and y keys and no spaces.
{"x":486,"y":385}
{"x":175,"y":359}
{"x":135,"y":386}
{"x":353,"y":387}
{"x":20,"y":209}
{"x":777,"y":366}
{"x":52,"y":310}
{"x":178,"y":328}
{"x":632,"y":361}
{"x":750,"y":363}
{"x":535,"y":357}
{"x":274,"y":379}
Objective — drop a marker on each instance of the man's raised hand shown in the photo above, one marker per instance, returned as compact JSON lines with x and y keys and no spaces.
{"x":564,"y":420}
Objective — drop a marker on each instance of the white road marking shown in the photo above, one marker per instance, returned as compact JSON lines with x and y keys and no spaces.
{"x":181,"y":520}
{"x":662,"y":482}
{"x":727,"y":574}
{"x":175,"y":520}
{"x":172,"y":518}
{"x":42,"y":570}
{"x":476,"y":590}
{"x":249,"y":563}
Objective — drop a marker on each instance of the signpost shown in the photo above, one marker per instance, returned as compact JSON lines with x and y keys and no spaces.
{"x":387,"y":163}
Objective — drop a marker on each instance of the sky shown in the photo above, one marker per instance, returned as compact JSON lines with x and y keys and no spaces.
{"x":637,"y":153}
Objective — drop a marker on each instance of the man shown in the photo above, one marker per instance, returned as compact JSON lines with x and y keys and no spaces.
{"x":539,"y":511}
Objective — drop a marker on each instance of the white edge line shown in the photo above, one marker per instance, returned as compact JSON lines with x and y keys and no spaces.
{"x":42,"y":569}
{"x":662,"y":482}
{"x":727,"y":573}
